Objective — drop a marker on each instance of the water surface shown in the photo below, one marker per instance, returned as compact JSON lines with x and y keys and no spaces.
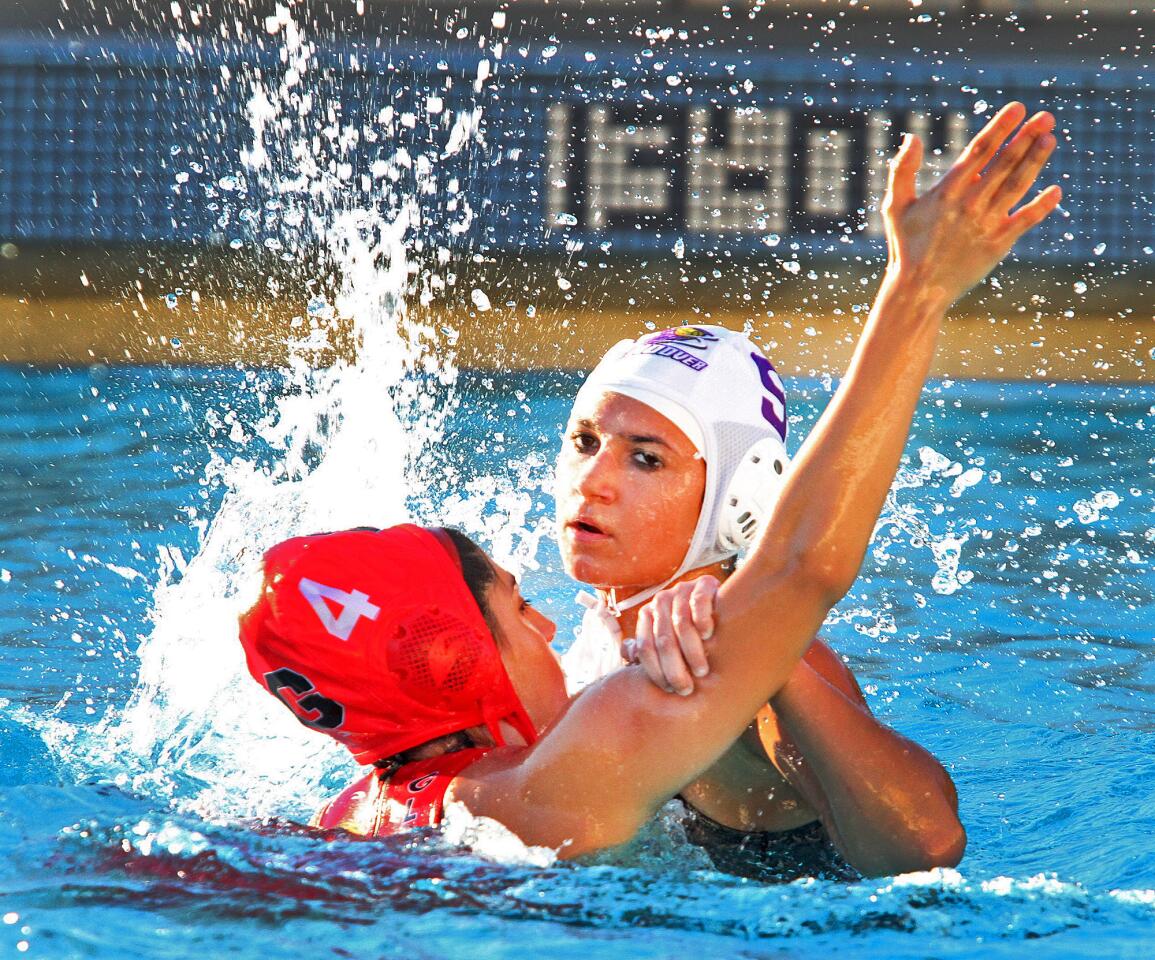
{"x":1005,"y":618}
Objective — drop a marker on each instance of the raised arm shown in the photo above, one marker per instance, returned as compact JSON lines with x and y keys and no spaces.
{"x":624,"y":747}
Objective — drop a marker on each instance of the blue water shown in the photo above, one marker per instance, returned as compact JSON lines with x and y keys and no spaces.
{"x":1029,"y":671}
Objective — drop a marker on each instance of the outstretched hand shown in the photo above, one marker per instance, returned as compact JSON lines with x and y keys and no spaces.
{"x":955,"y":233}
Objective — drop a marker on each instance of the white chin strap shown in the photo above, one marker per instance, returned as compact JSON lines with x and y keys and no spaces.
{"x":616,"y":606}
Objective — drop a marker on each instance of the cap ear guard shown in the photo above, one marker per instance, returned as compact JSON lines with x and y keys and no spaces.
{"x":752,"y":493}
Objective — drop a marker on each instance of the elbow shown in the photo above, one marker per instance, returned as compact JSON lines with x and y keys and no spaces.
{"x":944,"y":848}
{"x":939,"y":848}
{"x":592,"y":835}
{"x":929,"y":849}
{"x":943,"y":841}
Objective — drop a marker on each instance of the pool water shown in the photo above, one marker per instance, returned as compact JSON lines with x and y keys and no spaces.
{"x":1005,"y":618}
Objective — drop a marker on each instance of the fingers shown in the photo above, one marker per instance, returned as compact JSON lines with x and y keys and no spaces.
{"x":1016,"y":184}
{"x":1031,"y":214}
{"x":901,"y":187}
{"x":645,"y":653}
{"x":657,"y":650}
{"x":703,"y":596}
{"x":671,"y":634}
{"x":985,"y":145}
{"x":689,"y":643}
{"x":667,"y":646}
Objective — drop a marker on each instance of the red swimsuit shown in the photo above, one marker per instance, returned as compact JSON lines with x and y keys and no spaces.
{"x":380,"y":804}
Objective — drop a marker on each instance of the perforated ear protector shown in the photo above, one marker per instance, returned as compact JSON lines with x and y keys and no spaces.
{"x":752,"y":494}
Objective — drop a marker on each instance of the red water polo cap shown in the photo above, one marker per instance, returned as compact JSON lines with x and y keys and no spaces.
{"x":373,"y":637}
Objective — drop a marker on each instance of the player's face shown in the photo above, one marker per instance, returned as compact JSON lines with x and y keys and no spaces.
{"x":525,"y":635}
{"x":629,"y":492}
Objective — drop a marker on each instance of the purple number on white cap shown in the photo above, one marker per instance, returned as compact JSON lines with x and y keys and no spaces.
{"x":773,"y":383}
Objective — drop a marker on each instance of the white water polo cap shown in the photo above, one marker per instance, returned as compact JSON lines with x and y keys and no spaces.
{"x":716,"y":386}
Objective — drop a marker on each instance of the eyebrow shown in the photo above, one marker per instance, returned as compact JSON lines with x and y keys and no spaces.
{"x":631,"y":437}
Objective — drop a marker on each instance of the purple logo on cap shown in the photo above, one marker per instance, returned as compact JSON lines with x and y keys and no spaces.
{"x":693,"y":338}
{"x":675,"y":343}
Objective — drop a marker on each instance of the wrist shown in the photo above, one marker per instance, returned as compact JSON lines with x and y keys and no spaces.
{"x":919,"y":291}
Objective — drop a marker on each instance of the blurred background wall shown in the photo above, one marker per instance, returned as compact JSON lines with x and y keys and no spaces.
{"x":635,"y":161}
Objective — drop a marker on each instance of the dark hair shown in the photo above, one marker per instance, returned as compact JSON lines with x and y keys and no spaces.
{"x":478,"y":573}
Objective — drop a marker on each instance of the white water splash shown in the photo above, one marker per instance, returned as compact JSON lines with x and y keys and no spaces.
{"x":356,"y":443}
{"x":947,"y":547}
{"x":1091,"y":510}
{"x":492,"y":840}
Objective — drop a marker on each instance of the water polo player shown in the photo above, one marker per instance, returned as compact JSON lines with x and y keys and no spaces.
{"x":673,"y":456}
{"x":388,"y":627}
{"x":674,"y":453}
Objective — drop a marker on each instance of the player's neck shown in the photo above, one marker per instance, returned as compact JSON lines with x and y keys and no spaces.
{"x":629,"y":618}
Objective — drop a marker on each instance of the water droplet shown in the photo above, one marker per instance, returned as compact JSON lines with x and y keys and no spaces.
{"x":480,"y":300}
{"x":548,"y":52}
{"x":563,"y":283}
{"x":1080,"y":287}
{"x":319,"y":307}
{"x":1100,"y":249}
{"x":171,"y":300}
{"x":981,"y":106}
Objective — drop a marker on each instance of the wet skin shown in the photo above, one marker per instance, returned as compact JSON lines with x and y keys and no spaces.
{"x":629,"y":491}
{"x":607,"y":763}
{"x":524,"y":637}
